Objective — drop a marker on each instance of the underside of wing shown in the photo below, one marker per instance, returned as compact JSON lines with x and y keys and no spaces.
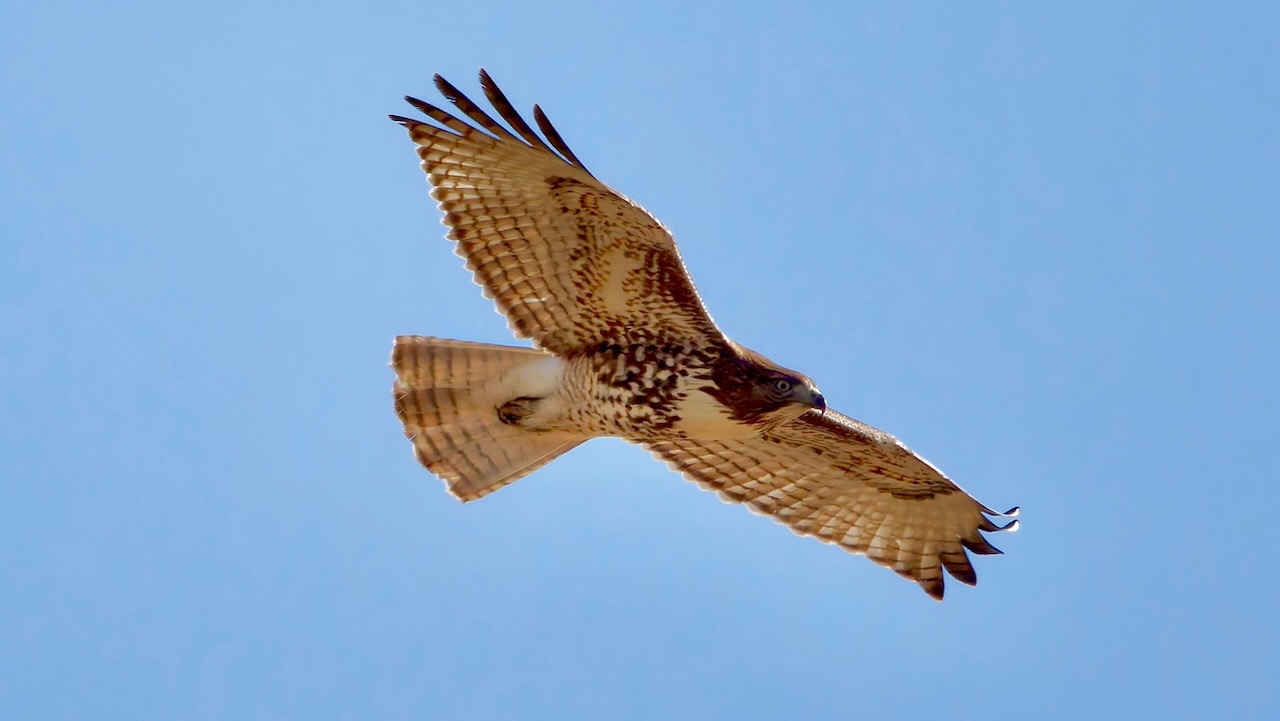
{"x":843,"y":482}
{"x":570,"y":262}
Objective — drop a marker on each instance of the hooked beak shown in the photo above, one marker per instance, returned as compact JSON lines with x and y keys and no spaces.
{"x":818,"y":402}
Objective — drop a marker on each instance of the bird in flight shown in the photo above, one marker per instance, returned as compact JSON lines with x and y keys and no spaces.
{"x":624,"y":347}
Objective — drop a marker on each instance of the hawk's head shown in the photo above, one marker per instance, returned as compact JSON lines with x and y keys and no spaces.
{"x":760,"y":392}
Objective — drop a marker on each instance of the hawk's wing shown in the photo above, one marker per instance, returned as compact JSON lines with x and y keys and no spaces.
{"x":829,"y":476}
{"x":570,"y":262}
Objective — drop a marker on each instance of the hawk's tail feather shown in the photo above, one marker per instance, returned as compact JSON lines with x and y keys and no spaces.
{"x":448,"y":394}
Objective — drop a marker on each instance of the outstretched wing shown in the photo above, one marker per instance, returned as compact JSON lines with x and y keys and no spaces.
{"x":570,"y":262}
{"x":829,"y":476}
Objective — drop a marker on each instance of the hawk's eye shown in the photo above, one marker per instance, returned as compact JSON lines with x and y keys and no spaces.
{"x":782,"y":385}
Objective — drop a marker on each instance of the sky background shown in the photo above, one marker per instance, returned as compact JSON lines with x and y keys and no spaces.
{"x":1037,"y":244}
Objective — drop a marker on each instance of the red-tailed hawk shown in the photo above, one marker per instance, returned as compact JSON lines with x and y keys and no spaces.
{"x":625,"y":348}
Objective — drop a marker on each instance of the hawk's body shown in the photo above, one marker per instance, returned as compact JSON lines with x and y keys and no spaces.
{"x":625,"y":348}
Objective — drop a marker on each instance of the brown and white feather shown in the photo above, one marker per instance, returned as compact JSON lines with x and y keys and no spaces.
{"x":843,"y":482}
{"x":445,"y":395}
{"x":570,"y":262}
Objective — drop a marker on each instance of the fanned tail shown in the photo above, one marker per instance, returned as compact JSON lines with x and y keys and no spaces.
{"x":448,"y":394}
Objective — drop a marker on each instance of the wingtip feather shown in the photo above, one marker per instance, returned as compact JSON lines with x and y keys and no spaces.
{"x":980,"y":546}
{"x":442,"y":85}
{"x":421,"y":105}
{"x":936,"y":588}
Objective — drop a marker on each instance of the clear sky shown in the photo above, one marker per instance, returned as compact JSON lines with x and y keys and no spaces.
{"x":1038,"y":245}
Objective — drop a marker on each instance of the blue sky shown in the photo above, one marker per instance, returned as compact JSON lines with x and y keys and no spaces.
{"x":1037,"y":244}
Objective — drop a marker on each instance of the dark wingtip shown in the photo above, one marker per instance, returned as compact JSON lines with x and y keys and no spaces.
{"x":419,"y":104}
{"x":407,"y":122}
{"x":980,"y":546}
{"x":957,"y":563}
{"x":447,"y":89}
{"x":935,"y":588}
{"x":553,"y":135}
{"x":990,"y":526}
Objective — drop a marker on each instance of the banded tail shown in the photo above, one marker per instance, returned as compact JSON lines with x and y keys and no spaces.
{"x":449,"y":395}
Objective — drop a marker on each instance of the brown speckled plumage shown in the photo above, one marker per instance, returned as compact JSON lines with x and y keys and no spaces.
{"x":624,"y":347}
